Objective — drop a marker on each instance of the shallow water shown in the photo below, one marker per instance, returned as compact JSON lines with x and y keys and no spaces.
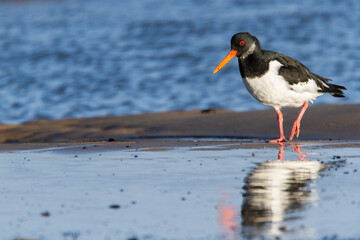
{"x":92,"y":58}
{"x":225,"y":192}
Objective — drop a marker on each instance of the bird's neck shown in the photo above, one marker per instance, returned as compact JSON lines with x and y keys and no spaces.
{"x":253,"y":65}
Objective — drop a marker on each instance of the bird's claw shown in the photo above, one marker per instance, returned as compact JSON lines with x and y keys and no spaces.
{"x":295,"y":129}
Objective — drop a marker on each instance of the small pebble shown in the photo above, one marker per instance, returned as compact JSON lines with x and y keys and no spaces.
{"x":208,"y":110}
{"x":282,"y":228}
{"x":45,"y":214}
{"x":115,"y":206}
{"x":133,"y":238}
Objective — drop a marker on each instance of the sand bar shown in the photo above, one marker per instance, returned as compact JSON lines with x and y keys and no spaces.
{"x":320,"y":122}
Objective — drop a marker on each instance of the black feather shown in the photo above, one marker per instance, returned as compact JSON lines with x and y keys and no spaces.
{"x":326,"y":87}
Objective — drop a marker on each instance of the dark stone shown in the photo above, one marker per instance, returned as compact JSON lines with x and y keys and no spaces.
{"x":115,"y":206}
{"x":45,"y":214}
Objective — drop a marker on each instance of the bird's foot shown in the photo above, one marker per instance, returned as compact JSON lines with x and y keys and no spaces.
{"x":279,"y":140}
{"x":295,"y":129}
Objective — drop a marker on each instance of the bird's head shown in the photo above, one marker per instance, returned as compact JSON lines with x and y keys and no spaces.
{"x":242,"y":45}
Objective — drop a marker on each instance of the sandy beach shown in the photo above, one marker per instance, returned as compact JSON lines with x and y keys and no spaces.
{"x":321,"y":122}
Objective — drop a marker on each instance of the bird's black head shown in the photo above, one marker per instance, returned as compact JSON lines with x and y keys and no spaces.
{"x":242,"y":45}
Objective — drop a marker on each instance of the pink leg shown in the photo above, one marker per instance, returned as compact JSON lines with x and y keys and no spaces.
{"x":280,"y":119}
{"x":297,"y":149}
{"x":281,"y":151}
{"x":296,"y":126}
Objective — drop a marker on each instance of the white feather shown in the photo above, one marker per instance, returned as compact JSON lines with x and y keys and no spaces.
{"x":273,"y":90}
{"x":249,"y":51}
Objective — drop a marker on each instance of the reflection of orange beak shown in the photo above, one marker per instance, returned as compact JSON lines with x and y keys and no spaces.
{"x":230,"y":56}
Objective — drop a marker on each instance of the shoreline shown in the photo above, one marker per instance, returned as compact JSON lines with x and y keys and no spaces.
{"x":159,"y":145}
{"x":320,"y":122}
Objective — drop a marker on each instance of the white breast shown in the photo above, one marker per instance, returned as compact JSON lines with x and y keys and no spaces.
{"x":273,"y":90}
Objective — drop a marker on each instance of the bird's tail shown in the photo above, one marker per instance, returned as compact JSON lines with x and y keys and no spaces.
{"x":333,"y":89}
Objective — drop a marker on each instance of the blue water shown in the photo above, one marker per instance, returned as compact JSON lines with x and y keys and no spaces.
{"x":74,"y":58}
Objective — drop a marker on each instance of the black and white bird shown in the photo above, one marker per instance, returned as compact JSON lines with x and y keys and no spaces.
{"x":277,"y":80}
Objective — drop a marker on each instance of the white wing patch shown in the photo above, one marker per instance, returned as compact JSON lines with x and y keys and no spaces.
{"x":309,"y":86}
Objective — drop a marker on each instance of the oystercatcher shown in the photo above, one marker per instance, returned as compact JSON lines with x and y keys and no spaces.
{"x":277,"y":80}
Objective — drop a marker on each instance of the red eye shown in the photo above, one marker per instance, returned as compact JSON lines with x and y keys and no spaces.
{"x":242,"y":43}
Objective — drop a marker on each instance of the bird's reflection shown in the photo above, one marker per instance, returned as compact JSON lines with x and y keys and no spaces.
{"x":272,"y":191}
{"x":296,"y":147}
{"x":228,"y":218}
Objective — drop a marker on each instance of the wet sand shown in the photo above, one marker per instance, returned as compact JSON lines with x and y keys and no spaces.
{"x":201,"y":190}
{"x":182,"y":175}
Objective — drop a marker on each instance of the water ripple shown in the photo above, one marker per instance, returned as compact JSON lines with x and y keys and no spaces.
{"x":91,"y":58}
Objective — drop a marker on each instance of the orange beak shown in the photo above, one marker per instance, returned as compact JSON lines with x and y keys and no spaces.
{"x":230,"y":56}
